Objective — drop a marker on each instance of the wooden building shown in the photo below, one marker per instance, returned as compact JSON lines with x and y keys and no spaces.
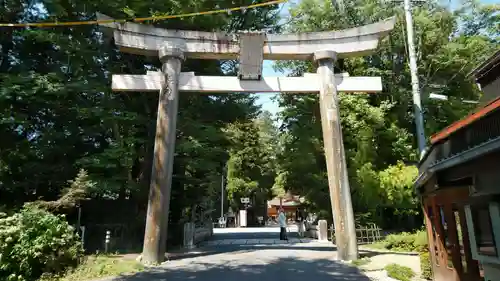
{"x":291,"y":204}
{"x":459,"y":183}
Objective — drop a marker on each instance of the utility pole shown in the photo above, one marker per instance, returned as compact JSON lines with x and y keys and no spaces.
{"x":417,"y":103}
{"x":222,"y":194}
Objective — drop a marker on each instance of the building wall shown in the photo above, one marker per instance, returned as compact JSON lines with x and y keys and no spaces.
{"x":272,"y":211}
{"x":290,"y":211}
{"x":485,"y":165}
{"x":487,"y":181}
{"x":490,"y":92}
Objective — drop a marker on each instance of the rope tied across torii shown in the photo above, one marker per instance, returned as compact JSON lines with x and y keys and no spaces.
{"x":250,"y":48}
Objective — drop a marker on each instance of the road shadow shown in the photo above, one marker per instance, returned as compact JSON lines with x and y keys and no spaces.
{"x":296,"y":247}
{"x":224,"y":249}
{"x":290,"y":269}
{"x":368,"y":253}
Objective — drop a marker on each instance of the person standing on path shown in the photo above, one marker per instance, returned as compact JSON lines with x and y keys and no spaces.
{"x":282,"y":222}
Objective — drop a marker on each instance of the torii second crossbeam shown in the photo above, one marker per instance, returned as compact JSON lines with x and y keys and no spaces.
{"x":188,"y":82}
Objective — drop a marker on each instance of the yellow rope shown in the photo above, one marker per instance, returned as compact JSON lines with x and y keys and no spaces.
{"x":153,"y":18}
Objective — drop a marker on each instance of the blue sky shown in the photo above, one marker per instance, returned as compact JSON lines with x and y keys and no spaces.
{"x":265,"y":99}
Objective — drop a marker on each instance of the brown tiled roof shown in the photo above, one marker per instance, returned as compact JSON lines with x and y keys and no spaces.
{"x":286,"y":202}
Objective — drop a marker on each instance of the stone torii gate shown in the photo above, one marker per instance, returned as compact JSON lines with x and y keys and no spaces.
{"x":173,"y":46}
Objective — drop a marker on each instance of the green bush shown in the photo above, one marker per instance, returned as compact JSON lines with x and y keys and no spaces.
{"x":399,"y":272}
{"x":425,"y":265}
{"x":400,"y":242}
{"x":421,"y":243}
{"x":361,"y":262}
{"x":407,"y":242}
{"x":34,"y":242}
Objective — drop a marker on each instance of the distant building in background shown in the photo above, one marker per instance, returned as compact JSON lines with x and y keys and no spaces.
{"x":291,"y":204}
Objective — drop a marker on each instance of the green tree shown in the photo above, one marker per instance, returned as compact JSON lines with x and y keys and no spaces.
{"x":251,"y":168}
{"x":378,"y":129}
{"x":34,"y":242}
{"x":58,"y":114}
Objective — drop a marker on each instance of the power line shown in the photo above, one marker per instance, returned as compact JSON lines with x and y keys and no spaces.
{"x":153,"y":18}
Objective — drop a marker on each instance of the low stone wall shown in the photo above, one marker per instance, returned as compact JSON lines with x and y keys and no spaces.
{"x":319,"y":231}
{"x":311,"y":231}
{"x":194,"y":235}
{"x":201,"y":234}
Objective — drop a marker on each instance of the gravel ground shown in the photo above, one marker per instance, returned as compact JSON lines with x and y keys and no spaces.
{"x":375,"y":269}
{"x":378,"y":262}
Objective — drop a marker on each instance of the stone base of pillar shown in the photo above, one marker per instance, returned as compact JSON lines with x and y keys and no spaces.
{"x":243,"y":218}
{"x":188,"y":235}
{"x":302,"y":228}
{"x":322,"y":230}
{"x":210,"y":227}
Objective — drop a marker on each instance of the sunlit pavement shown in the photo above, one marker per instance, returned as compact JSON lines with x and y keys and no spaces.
{"x":257,"y":236}
{"x":249,"y":254}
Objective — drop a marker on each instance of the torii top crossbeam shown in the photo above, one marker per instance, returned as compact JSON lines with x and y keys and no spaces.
{"x":146,"y":40}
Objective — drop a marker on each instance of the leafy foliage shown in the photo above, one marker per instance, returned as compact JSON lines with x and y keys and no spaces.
{"x":98,"y":266}
{"x":58,"y":114}
{"x":34,"y":242}
{"x":392,"y":186}
{"x":379,"y":130}
{"x":251,"y":164}
{"x":406,"y":242}
{"x":421,"y":241}
{"x":399,"y":272}
{"x":71,"y":197}
{"x":361,"y":262}
{"x":400,"y":242}
{"x":425,"y":265}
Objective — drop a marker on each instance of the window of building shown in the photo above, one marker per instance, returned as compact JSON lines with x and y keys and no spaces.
{"x":483,"y":230}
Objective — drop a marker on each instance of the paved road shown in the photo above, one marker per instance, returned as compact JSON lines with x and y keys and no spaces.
{"x":254,"y":254}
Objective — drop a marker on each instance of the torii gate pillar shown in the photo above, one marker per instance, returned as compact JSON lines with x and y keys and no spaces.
{"x":155,"y":236}
{"x":338,"y":183}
